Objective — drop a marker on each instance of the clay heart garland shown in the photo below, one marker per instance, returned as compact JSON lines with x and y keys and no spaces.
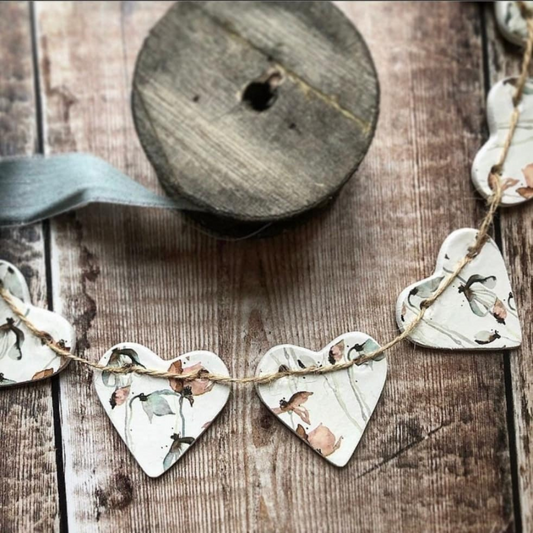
{"x":23,"y":357}
{"x":476,"y":312}
{"x":511,"y":22}
{"x":517,"y":172}
{"x":159,"y":419}
{"x":329,"y":412}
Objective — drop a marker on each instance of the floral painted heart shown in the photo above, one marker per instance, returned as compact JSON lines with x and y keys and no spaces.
{"x":160,"y":419}
{"x":517,"y":171}
{"x":478,"y":311}
{"x":23,"y":357}
{"x":329,"y":412}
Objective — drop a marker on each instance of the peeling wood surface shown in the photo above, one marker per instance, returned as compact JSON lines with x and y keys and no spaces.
{"x":29,"y":486}
{"x":438,"y":454}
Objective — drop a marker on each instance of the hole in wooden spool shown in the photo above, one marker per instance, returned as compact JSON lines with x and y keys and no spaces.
{"x":261,"y":94}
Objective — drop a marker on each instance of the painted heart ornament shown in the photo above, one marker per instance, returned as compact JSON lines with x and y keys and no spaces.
{"x":23,"y":357}
{"x":159,"y":419}
{"x":329,"y":412}
{"x":517,"y":171}
{"x":478,"y":311}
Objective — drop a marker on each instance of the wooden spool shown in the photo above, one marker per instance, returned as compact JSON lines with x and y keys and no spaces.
{"x":257,"y":112}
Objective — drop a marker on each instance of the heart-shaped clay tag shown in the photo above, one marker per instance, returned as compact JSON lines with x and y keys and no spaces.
{"x":330,"y":411}
{"x":476,"y":312}
{"x":511,"y":21}
{"x":517,"y":171}
{"x":23,"y":357}
{"x":159,"y":419}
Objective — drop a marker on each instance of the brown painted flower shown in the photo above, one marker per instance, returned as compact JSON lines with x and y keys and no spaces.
{"x":43,"y":374}
{"x":527,"y":192}
{"x":119,"y":396}
{"x":321,"y":439}
{"x":294,"y":405}
{"x":505,"y":184}
{"x":336,"y":352}
{"x":196,"y":387}
{"x":499,"y":312}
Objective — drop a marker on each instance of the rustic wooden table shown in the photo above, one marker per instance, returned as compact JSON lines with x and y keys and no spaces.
{"x":448,"y":448}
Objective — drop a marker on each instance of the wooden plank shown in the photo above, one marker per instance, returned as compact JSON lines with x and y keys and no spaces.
{"x":29,"y":494}
{"x":516,"y":224}
{"x":435,"y":455}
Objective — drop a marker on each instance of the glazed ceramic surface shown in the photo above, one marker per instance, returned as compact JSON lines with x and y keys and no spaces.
{"x":159,"y":419}
{"x":328,"y":412}
{"x":478,"y":311}
{"x":23,"y":357}
{"x":511,"y":22}
{"x":517,"y":174}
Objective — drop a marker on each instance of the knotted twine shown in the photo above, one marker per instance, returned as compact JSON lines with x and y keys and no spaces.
{"x":481,"y":238}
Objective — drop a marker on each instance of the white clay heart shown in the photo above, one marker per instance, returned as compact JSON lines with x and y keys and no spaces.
{"x":329,"y":412}
{"x":23,"y":357}
{"x":511,"y":22}
{"x":158,"y":418}
{"x":477,"y":312}
{"x":517,"y":172}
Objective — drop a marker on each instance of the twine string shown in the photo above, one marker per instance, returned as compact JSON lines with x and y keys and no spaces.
{"x":481,"y":238}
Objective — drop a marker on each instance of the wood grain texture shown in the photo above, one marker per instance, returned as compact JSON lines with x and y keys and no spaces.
{"x":516,"y":225}
{"x":436,"y":454}
{"x":29,"y":489}
{"x":193,"y":105}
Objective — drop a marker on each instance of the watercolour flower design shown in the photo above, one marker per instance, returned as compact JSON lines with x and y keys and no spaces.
{"x":24,"y":357}
{"x":189,"y":389}
{"x":366,"y":348}
{"x":336,"y":353}
{"x":13,"y":280}
{"x":511,"y":21}
{"x":11,"y":339}
{"x":328,"y":411}
{"x":508,"y":183}
{"x":527,"y":191}
{"x":486,"y":337}
{"x":294,"y":405}
{"x":120,"y":356}
{"x":42,"y":374}
{"x":155,"y":403}
{"x":159,"y":419}
{"x":176,"y":449}
{"x":481,"y":298}
{"x":517,"y":170}
{"x":5,"y":381}
{"x":321,"y":439}
{"x":476,"y":311}
{"x":119,"y":396}
{"x":425,"y":289}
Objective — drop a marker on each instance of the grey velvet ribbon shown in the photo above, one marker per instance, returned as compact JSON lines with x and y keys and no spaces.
{"x":36,"y":188}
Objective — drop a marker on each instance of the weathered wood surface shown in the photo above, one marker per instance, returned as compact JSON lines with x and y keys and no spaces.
{"x":436,"y":455}
{"x":29,"y":486}
{"x":256,"y":114}
{"x":516,"y":224}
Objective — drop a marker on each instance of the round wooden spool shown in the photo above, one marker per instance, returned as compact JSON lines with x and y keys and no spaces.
{"x":256,"y":112}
